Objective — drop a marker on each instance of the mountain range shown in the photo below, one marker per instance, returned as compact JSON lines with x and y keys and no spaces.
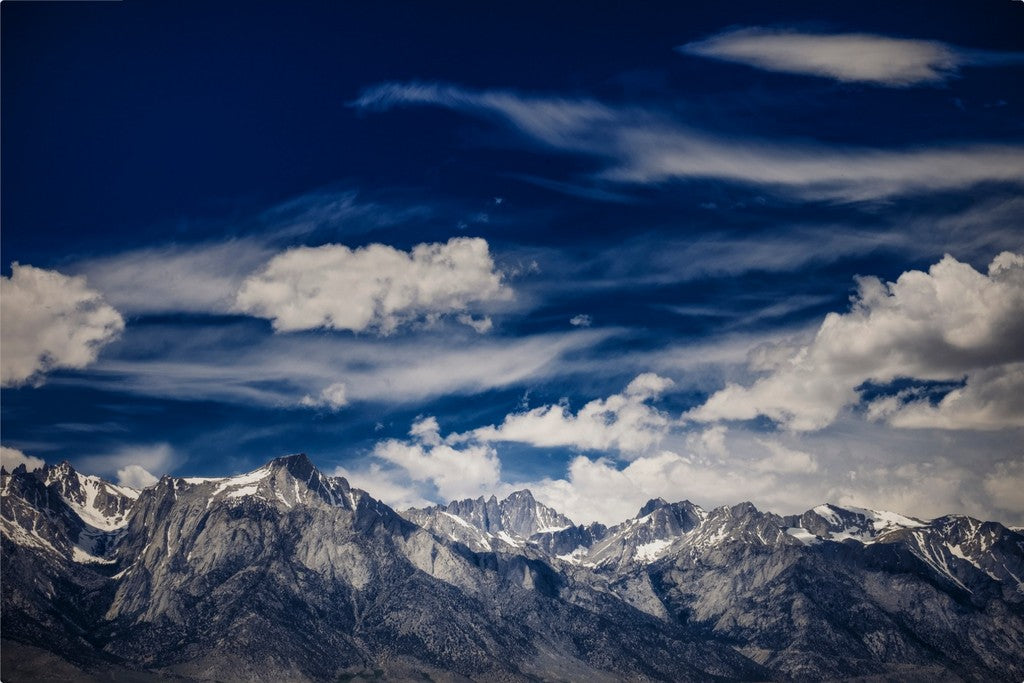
{"x":285,"y":573}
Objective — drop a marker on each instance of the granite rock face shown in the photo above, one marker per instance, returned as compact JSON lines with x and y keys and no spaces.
{"x":284,"y":573}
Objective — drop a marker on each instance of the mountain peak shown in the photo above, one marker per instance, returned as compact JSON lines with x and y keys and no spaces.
{"x":522,"y":495}
{"x":298,"y":465}
{"x":650,"y":506}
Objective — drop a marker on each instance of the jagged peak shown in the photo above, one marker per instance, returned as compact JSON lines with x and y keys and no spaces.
{"x":521,"y":494}
{"x":297,"y":464}
{"x":650,"y":506}
{"x":744,"y":508}
{"x":63,"y":468}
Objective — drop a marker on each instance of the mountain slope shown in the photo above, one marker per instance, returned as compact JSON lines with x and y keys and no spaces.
{"x":285,"y":573}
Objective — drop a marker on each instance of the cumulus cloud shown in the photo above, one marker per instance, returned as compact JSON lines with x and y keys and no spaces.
{"x":333,"y":397}
{"x":992,"y":398}
{"x":649,"y":146}
{"x":132,"y":463}
{"x":1004,"y":485}
{"x":599,"y":490}
{"x":624,"y":422}
{"x":455,"y":472}
{"x":946,"y":324}
{"x":12,"y":457}
{"x":389,"y":485}
{"x":784,"y":459}
{"x":374,"y":288}
{"x":136,"y":477}
{"x":50,"y":321}
{"x":851,"y":57}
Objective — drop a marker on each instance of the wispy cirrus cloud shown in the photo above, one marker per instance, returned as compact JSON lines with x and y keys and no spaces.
{"x":848,"y":57}
{"x":233,"y":365}
{"x":644,"y":146}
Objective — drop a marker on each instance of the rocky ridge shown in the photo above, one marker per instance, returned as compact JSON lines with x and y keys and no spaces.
{"x":286,"y":573}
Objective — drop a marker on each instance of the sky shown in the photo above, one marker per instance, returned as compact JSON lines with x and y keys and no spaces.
{"x":608,"y":252}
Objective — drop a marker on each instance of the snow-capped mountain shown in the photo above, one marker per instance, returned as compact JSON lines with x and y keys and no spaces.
{"x":481,"y":524}
{"x":284,"y":573}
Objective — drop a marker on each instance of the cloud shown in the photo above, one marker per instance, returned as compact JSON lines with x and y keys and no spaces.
{"x":132,"y":462}
{"x":992,"y":398}
{"x":581,"y":320}
{"x":194,"y":278}
{"x":784,"y":459}
{"x":12,"y":457}
{"x":648,"y":146}
{"x":389,"y":485}
{"x":599,"y":490}
{"x":481,"y":325}
{"x":848,"y":57}
{"x":51,"y":321}
{"x":333,"y":397}
{"x":231,"y":364}
{"x":852,"y":57}
{"x":456,"y":473}
{"x":1005,"y":485}
{"x":945,"y":324}
{"x":135,"y":477}
{"x":624,"y":422}
{"x":374,"y":288}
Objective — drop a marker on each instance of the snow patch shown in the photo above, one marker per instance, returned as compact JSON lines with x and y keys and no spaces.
{"x":649,"y":552}
{"x":458,"y":520}
{"x":244,"y":491}
{"x":803,"y":535}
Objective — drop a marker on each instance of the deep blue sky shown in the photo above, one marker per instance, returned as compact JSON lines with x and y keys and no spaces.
{"x":148,"y":146}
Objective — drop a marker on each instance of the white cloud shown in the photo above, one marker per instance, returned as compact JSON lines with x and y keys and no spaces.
{"x":784,"y":459}
{"x":200,"y":278}
{"x":992,"y":398}
{"x":136,"y":477}
{"x":624,"y":422}
{"x":376,"y":287}
{"x":333,"y":397}
{"x":456,"y":473}
{"x":598,"y":490}
{"x":12,"y":457}
{"x":228,"y":363}
{"x":481,"y":325}
{"x":389,"y":485}
{"x":852,"y":57}
{"x":945,"y":324}
{"x":648,"y":146}
{"x":132,"y":462}
{"x":48,"y":321}
{"x":581,"y":320}
{"x":1005,"y":486}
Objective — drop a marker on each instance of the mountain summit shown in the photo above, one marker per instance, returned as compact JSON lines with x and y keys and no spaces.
{"x":286,"y":573}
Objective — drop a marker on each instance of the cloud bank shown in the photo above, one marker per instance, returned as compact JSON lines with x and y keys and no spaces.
{"x":374,"y":288}
{"x":49,"y":321}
